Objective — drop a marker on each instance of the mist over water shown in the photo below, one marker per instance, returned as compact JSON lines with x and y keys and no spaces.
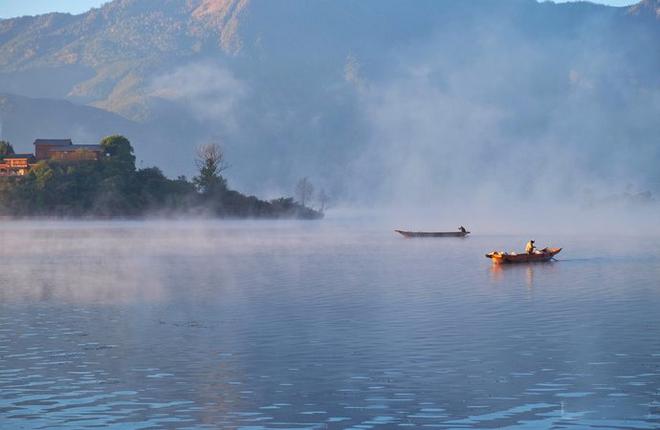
{"x":336,"y":324}
{"x":501,"y":118}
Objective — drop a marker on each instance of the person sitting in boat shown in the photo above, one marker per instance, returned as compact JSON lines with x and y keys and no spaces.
{"x":530,"y":247}
{"x":462,"y":229}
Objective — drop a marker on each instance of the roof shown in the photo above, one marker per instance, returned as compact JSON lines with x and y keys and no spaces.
{"x":53,"y":142}
{"x":77,"y":148}
{"x":14,"y":156}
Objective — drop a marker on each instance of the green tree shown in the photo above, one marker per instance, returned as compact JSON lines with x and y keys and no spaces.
{"x":6,"y":148}
{"x":211,"y":163}
{"x":119,"y":152}
{"x":116,"y":190}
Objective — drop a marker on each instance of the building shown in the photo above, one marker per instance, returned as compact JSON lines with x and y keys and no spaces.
{"x":42,"y":147}
{"x":16,"y":164}
{"x":65,"y":150}
{"x":76,"y":153}
{"x":48,"y":149}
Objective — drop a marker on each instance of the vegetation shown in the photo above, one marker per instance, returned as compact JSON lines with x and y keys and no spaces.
{"x":5,"y":148}
{"x":112,"y":186}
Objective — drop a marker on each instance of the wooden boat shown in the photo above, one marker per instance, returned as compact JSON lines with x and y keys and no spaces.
{"x":545,"y":254}
{"x":432,"y":233}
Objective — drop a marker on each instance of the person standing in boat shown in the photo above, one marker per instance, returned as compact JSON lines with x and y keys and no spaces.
{"x":530,"y":247}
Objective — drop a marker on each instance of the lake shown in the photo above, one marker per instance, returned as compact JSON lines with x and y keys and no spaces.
{"x":321,"y":325}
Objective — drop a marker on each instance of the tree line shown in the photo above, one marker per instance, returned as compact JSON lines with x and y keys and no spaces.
{"x":113,"y":187}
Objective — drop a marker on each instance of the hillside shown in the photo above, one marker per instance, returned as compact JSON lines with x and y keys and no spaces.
{"x":369,"y":98}
{"x":24,"y":117}
{"x":107,"y":56}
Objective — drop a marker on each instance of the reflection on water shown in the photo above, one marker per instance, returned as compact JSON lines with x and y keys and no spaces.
{"x":264,"y":325}
{"x":508,"y":272}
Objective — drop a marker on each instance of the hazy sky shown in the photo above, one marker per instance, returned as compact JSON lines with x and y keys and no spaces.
{"x":10,"y":8}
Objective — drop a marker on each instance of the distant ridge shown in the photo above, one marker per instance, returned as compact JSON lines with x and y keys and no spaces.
{"x":25,"y":119}
{"x":649,"y":8}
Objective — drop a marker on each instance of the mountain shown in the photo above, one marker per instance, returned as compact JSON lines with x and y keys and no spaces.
{"x":103,"y":56}
{"x":24,"y":117}
{"x":650,"y":9}
{"x":372,"y":98}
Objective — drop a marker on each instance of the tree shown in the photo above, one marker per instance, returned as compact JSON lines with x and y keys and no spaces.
{"x":6,"y":148}
{"x":211,"y":163}
{"x":304,"y":191}
{"x":119,"y":151}
{"x":152,"y":186}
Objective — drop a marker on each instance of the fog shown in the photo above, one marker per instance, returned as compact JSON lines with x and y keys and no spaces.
{"x":120,"y":263}
{"x":506,"y":120}
{"x":492,"y":116}
{"x":209,"y":90}
{"x":489,"y":113}
{"x":511,"y":135}
{"x":127,"y":262}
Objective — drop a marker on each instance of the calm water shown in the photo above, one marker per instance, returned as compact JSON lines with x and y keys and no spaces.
{"x":319,"y":325}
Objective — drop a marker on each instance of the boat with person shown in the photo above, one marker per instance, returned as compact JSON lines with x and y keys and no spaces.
{"x":411,"y":234}
{"x":541,"y":255}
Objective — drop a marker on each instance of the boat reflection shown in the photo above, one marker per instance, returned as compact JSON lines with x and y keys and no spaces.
{"x":527,"y":273}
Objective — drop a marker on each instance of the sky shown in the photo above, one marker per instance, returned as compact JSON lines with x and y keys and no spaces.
{"x":12,"y":8}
